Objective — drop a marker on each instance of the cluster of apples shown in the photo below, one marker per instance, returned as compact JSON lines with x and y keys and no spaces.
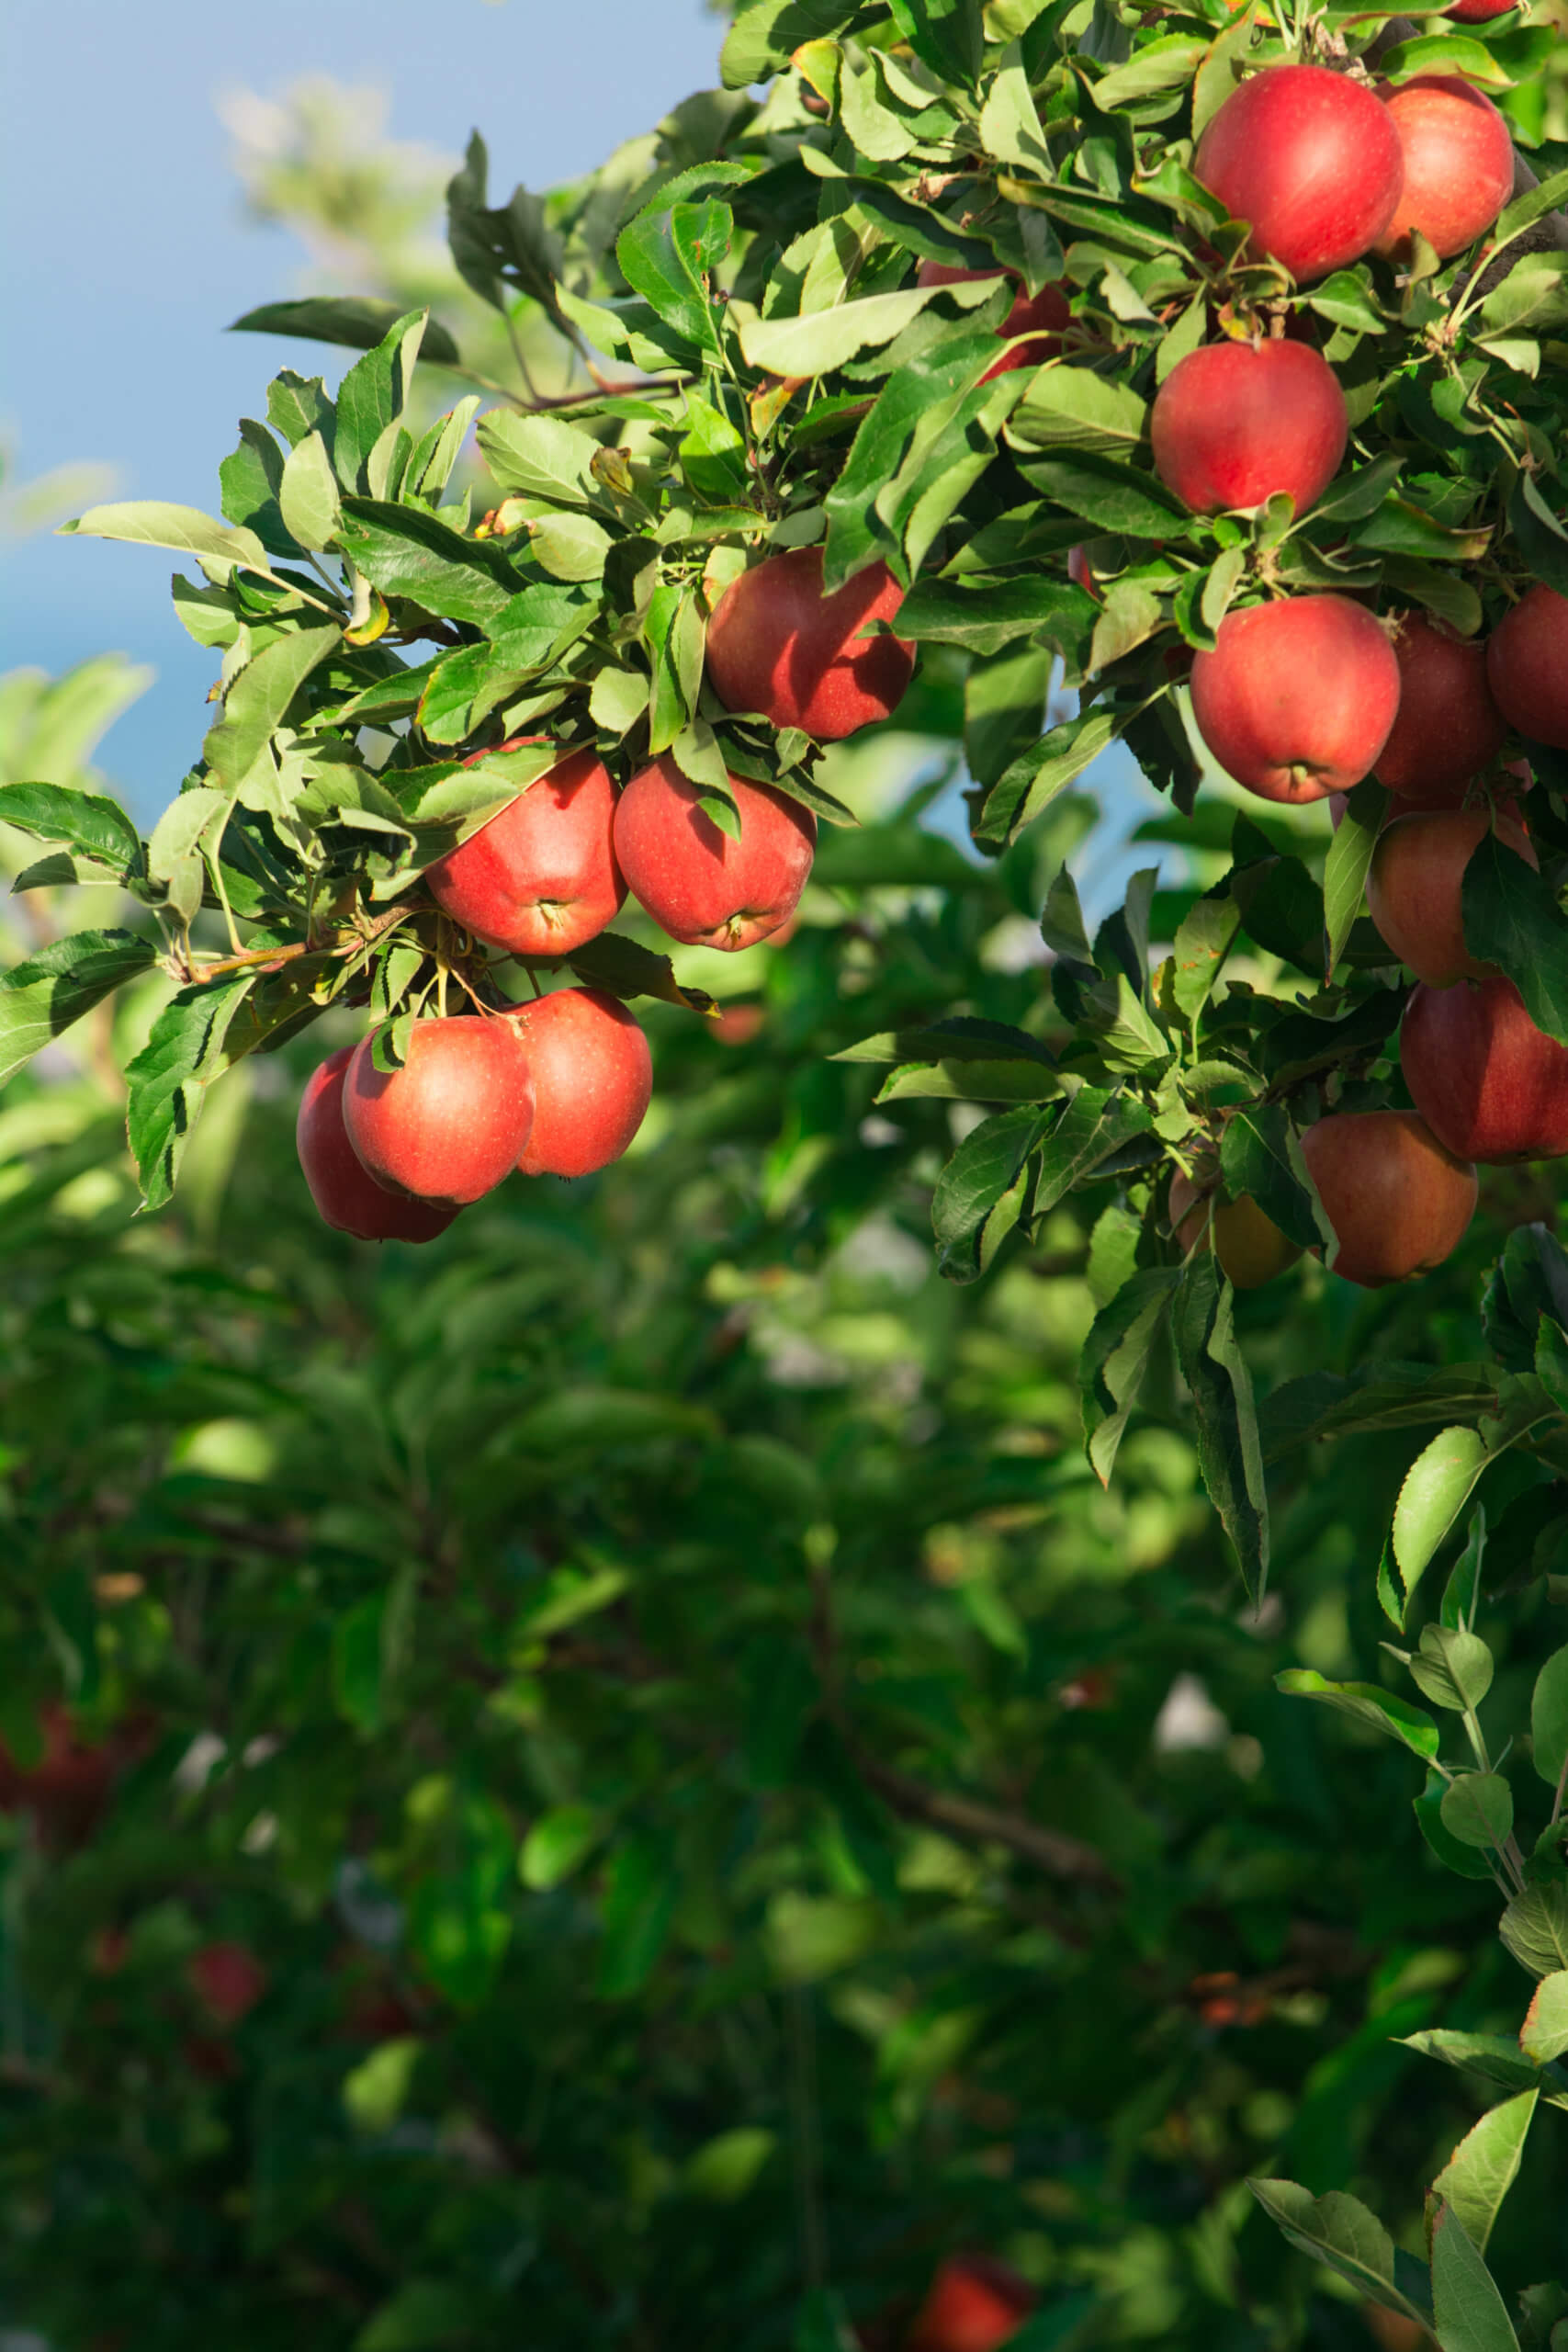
{"x":561,"y":1085}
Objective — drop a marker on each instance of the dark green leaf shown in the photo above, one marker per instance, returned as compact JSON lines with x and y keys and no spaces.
{"x":41,"y":997}
{"x":351,"y":319}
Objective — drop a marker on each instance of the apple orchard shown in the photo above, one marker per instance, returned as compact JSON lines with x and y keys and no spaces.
{"x":1193,"y":371}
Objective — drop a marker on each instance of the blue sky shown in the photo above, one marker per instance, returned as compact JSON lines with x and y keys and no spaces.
{"x":128,"y":252}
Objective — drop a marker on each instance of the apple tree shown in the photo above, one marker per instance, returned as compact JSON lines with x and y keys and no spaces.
{"x":1264,"y":483}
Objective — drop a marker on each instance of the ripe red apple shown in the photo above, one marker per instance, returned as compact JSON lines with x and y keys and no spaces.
{"x":1232,"y":424}
{"x":541,"y":877}
{"x":1448,"y":726}
{"x":346,"y":1196}
{"x":1414,"y":885}
{"x":777,"y":645}
{"x":705,"y":888}
{"x":1297,"y":698}
{"x":592,"y":1077}
{"x":1458,"y":164}
{"x":453,"y":1121}
{"x":1399,"y":1202}
{"x":1311,"y":159}
{"x":1478,"y":12}
{"x":1490,"y":1084}
{"x":1249,"y":1246}
{"x":974,"y":2305}
{"x":228,"y":1980}
{"x":67,"y":1789}
{"x":1527,"y":662}
{"x":1050,"y":308}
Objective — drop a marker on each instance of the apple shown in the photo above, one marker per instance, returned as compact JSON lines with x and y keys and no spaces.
{"x":1448,"y":726}
{"x":592,"y":1077}
{"x":1049,"y":309}
{"x":705,"y":888}
{"x":228,"y":1980}
{"x":974,"y":2305}
{"x":1232,"y":424}
{"x":448,"y":1125}
{"x":1479,"y":12}
{"x":1310,"y":160}
{"x":541,"y":877}
{"x":1398,"y":1199}
{"x":347,"y":1197}
{"x":1490,"y":1084}
{"x":777,"y":645}
{"x":67,"y":1789}
{"x":1249,"y":1246}
{"x":1297,"y":698}
{"x":1459,"y":165}
{"x":1414,"y":882}
{"x":1527,"y":663}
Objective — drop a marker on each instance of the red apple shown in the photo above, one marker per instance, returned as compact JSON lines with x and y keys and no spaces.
{"x":1458,"y":164}
{"x":346,"y":1196}
{"x":1447,"y":727}
{"x":705,"y":888}
{"x":974,"y":2305}
{"x":228,"y":1980}
{"x":68,"y":1788}
{"x":1415,"y":885}
{"x":1478,"y":12}
{"x":777,"y":645}
{"x":1249,"y":1246}
{"x":1311,"y":159}
{"x":452,"y":1121}
{"x":1490,"y":1084}
{"x":1232,"y":425}
{"x":1398,"y":1201}
{"x":1527,"y":662}
{"x":592,"y":1077}
{"x":1049,"y":309}
{"x":1297,"y":698}
{"x":541,"y":877}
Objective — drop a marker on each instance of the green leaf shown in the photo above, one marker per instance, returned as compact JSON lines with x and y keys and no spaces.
{"x":425,"y":2316}
{"x":557,"y":1844}
{"x":1115,"y":1359}
{"x":1544,"y":2033}
{"x":251,"y":477}
{"x":1491,"y":2056}
{"x":1204,"y":940}
{"x":982,"y":1171}
{"x":1346,"y":865}
{"x":1436,"y":1488}
{"x":1535,"y":1930}
{"x":1036,"y":776}
{"x":1465,"y":1861}
{"x":41,"y":997}
{"x":236,"y":749}
{"x":724,"y":2168}
{"x":540,"y":456}
{"x":946,"y":35}
{"x":669,"y":258}
{"x":406,"y":553}
{"x":639,"y":1903}
{"x":625,"y":967}
{"x":372,"y":397}
{"x":985,"y":615}
{"x":307,"y":494}
{"x":357,"y":321}
{"x":1229,"y":1453}
{"x":1106,"y":493}
{"x":153,"y":523}
{"x":1411,"y":1725}
{"x":1339,"y":2233}
{"x":825,"y":340}
{"x":1453,"y":1668}
{"x":1484,"y":2166}
{"x":1074,"y":408}
{"x":1469,"y":2313}
{"x":1548,"y":1719}
{"x":298,"y":406}
{"x":1010,"y":126}
{"x":85,"y":822}
{"x":1261,"y":1160}
{"x":186,"y":1050}
{"x":1512,"y":919}
{"x":1478,"y":1810}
